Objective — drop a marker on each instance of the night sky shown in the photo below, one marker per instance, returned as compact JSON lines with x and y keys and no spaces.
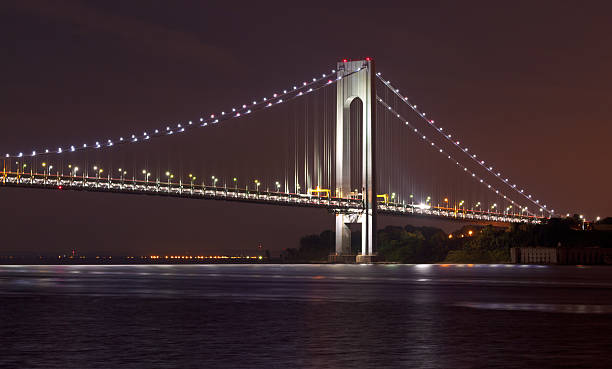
{"x":527,"y":83}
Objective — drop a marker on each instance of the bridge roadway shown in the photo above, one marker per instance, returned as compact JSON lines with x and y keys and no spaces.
{"x":197,"y":191}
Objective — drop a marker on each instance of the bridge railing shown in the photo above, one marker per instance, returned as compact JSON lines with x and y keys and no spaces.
{"x":169,"y":188}
{"x":458,"y":214}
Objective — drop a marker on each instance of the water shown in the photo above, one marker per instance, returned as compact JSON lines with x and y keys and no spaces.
{"x":312,"y":316}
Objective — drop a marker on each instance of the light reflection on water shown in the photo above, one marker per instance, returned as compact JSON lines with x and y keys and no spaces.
{"x":550,"y":308}
{"x":432,"y":316}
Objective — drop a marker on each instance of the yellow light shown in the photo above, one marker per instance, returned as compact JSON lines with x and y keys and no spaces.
{"x":450,"y":236}
{"x":470,"y":232}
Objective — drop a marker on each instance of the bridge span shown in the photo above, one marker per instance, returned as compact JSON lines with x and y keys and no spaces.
{"x":339,"y":205}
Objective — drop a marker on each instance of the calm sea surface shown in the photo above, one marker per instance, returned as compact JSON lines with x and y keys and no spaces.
{"x":314,"y":316}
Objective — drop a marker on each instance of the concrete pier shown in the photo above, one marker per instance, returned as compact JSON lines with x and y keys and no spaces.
{"x":341,"y":258}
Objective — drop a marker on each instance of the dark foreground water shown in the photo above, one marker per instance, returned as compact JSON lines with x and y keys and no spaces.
{"x":316,"y":316}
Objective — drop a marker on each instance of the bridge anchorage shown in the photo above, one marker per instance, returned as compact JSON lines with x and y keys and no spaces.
{"x":352,"y":86}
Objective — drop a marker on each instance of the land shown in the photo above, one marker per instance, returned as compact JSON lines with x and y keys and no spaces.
{"x":409,"y":244}
{"x":469,"y":244}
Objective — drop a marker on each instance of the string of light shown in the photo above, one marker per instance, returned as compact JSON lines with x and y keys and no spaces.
{"x":286,"y":95}
{"x":465,"y":150}
{"x":448,"y":156}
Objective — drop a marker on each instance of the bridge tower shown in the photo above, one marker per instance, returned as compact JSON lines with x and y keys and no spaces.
{"x":356,"y":85}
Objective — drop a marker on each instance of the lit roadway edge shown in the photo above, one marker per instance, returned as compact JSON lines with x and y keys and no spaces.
{"x":173,"y":189}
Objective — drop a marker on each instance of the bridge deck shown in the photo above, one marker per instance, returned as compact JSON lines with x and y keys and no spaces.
{"x":193,"y":191}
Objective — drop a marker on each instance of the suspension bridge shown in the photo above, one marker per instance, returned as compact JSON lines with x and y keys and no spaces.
{"x":347,"y":141}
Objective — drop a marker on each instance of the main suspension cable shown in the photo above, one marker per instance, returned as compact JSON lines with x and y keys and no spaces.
{"x":465,"y":150}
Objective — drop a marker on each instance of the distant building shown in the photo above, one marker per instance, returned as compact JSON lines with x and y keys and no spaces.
{"x":561,"y":255}
{"x":602,"y":227}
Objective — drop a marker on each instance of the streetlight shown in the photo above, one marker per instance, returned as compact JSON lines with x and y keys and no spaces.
{"x":46,"y":170}
{"x":459,"y":207}
{"x":214,"y":182}
{"x":236,"y":184}
{"x":73,"y":173}
{"x":98,"y":171}
{"x":191,"y":179}
{"x":122,"y":174}
{"x":257,"y":184}
{"x":278,"y":186}
{"x":169,"y":176}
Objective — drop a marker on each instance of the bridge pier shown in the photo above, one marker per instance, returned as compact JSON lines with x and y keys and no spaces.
{"x":343,"y":234}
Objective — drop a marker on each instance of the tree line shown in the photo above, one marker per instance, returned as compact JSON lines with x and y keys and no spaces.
{"x":469,"y":244}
